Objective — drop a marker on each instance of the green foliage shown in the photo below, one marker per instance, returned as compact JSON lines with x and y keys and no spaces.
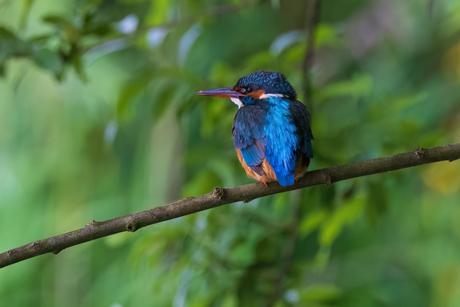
{"x":98,"y":119}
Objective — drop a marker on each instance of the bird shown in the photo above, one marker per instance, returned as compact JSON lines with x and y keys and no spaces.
{"x":271,"y":130}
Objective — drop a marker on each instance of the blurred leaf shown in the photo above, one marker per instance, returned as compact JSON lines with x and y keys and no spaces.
{"x":229,"y":300}
{"x":6,"y":34}
{"x":242,"y":254}
{"x":93,"y":2}
{"x":222,"y":74}
{"x":98,"y":29}
{"x":214,"y":112}
{"x":407,"y":101}
{"x":203,"y":182}
{"x":451,"y":62}
{"x":326,"y":35}
{"x":377,"y":202}
{"x":118,"y":240}
{"x":312,"y":222}
{"x":158,"y":12}
{"x":261,"y":60}
{"x":164,"y":99}
{"x":39,"y":38}
{"x":94,"y":26}
{"x":359,"y":85}
{"x":25,"y":12}
{"x":347,"y":213}
{"x":295,"y":53}
{"x":50,"y":60}
{"x":320,"y":293}
{"x":285,"y":40}
{"x":59,"y":21}
{"x":129,"y":92}
{"x":225,"y":170}
{"x":264,"y":251}
{"x":71,"y":32}
{"x":12,"y":46}
{"x":444,"y":177}
{"x":322,"y":257}
{"x":280,"y":201}
{"x":77,"y":63}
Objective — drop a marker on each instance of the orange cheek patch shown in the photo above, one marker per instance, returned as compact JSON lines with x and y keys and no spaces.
{"x":257,"y":94}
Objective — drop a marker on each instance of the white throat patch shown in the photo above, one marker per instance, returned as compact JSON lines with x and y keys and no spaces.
{"x":265,"y":96}
{"x":237,"y":101}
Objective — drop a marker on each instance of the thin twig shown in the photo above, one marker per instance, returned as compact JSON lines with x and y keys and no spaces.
{"x":289,"y":247}
{"x":429,"y":8}
{"x":312,"y":18}
{"x":220,"y":196}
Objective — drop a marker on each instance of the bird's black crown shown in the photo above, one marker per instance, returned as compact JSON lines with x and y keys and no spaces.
{"x":270,"y":82}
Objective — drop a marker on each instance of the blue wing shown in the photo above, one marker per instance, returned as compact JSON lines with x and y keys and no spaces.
{"x":249,"y":136}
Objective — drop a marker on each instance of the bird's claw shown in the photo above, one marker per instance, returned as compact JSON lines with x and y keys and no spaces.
{"x":264,"y":183}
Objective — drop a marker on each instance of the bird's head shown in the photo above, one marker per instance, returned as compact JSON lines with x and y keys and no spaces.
{"x":256,"y":86}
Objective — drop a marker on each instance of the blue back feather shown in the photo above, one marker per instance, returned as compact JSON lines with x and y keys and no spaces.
{"x":282,"y":140}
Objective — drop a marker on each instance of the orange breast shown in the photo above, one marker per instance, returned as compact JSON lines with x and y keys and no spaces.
{"x":269,"y":173}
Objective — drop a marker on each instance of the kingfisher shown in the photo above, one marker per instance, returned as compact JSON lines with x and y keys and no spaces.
{"x":271,"y":129}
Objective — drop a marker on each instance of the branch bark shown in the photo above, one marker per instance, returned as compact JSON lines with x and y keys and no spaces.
{"x":221,"y":196}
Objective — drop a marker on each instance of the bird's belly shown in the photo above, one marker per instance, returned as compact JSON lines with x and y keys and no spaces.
{"x":269,"y":173}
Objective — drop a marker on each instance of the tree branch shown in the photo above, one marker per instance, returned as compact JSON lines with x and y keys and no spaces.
{"x":220,"y":196}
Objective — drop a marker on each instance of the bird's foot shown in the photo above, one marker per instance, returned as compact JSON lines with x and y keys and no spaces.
{"x":264,"y":183}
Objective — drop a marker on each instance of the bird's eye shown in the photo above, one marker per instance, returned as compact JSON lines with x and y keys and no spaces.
{"x":249,"y":90}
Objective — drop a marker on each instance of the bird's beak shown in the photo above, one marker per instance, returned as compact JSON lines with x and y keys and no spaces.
{"x":221,"y":92}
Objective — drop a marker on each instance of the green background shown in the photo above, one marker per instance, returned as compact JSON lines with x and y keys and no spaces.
{"x":98,"y":121}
